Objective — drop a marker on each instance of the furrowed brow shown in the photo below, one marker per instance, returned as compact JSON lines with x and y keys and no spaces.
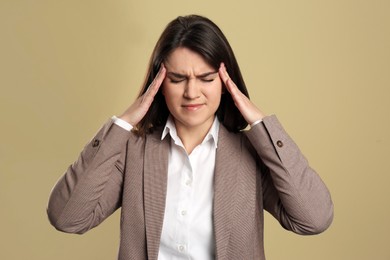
{"x":204,"y":75}
{"x":176,"y":75}
{"x":181,"y":76}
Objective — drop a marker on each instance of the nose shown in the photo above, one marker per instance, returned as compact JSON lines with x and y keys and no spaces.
{"x":192,"y":90}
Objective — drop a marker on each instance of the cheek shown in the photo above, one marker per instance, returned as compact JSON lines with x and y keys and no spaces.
{"x":217,"y":89}
{"x":219,"y":85}
{"x":213,"y":94}
{"x":169,"y":93}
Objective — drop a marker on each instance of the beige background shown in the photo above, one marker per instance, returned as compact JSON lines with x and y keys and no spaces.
{"x":322,"y":66}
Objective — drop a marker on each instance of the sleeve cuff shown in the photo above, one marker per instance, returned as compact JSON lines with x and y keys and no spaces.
{"x":122,"y":123}
{"x":256,"y":122}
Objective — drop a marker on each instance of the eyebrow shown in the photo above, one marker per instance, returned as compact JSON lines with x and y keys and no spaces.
{"x":182,"y":76}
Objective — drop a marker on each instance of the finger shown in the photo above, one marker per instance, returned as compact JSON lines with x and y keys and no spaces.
{"x":148,"y":97}
{"x":240,"y":100}
{"x":248,"y":110}
{"x":230,"y":85}
{"x":157,"y":81}
{"x":223,"y":73}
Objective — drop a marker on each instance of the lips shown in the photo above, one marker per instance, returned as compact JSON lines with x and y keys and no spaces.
{"x":192,"y":107}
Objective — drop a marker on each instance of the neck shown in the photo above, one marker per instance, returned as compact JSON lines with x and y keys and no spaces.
{"x":192,"y":136}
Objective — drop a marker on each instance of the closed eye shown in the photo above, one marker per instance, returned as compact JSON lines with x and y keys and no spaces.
{"x":176,"y":78}
{"x":208,"y":76}
{"x":175,"y":81}
{"x":207,"y":80}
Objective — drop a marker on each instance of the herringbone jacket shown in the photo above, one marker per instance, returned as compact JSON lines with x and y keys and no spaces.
{"x":259,"y":169}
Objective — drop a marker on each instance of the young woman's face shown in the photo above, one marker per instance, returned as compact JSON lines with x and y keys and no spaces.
{"x":192,"y":89}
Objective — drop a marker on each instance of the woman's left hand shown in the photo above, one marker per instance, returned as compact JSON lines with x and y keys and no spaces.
{"x":248,"y":110}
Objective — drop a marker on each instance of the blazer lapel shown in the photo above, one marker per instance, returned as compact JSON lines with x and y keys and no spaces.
{"x":227,"y":158}
{"x":155,"y":186}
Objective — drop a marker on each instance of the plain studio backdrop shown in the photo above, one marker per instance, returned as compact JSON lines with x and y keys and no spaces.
{"x":323,"y":67}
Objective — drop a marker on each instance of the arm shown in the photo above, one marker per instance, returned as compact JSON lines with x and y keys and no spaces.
{"x":292,"y":191}
{"x":91,"y":188}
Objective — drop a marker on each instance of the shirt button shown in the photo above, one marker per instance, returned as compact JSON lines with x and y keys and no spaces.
{"x":181,"y":248}
{"x":184,"y":212}
{"x":279,"y":143}
{"x":188,"y":182}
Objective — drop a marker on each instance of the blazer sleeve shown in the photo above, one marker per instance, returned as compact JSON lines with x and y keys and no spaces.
{"x":292,"y":191}
{"x":91,"y":188}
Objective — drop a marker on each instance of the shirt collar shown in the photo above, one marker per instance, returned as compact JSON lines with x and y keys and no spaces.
{"x":171,"y":129}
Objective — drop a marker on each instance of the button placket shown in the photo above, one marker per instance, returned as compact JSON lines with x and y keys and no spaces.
{"x":182,"y":210}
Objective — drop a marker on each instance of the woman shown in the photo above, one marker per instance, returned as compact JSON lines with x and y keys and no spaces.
{"x":191,"y":183}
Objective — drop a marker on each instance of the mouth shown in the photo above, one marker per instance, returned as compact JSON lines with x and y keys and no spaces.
{"x":192,"y":107}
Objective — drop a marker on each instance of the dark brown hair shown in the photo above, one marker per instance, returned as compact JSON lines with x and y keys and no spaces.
{"x":202,"y":36}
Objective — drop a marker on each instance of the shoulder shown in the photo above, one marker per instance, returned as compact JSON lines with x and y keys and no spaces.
{"x":237,"y":141}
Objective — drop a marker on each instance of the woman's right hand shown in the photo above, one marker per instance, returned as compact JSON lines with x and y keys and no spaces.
{"x":134,"y":114}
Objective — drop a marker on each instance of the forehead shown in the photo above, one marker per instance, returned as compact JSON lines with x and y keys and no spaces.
{"x":184,"y":60}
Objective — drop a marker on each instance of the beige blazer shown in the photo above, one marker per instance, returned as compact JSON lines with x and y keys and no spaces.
{"x":255,"y":170}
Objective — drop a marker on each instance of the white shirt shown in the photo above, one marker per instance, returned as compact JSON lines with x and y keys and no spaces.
{"x":187,"y":231}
